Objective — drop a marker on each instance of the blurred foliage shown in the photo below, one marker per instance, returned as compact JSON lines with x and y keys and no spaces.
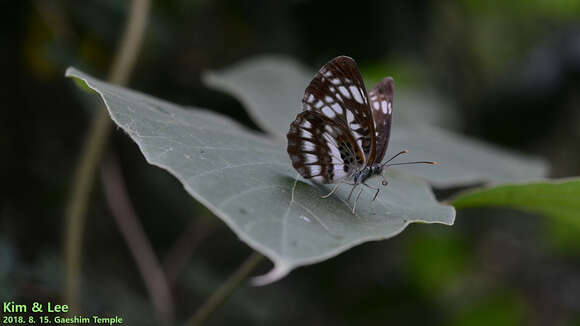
{"x":557,"y":10}
{"x":495,"y":309}
{"x":556,"y":200}
{"x":511,"y":68}
{"x":436,"y":262}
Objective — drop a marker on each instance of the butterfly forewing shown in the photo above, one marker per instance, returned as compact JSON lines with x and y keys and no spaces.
{"x":381,"y":103}
{"x":337,"y":92}
{"x":322,"y":149}
{"x":342,"y":129}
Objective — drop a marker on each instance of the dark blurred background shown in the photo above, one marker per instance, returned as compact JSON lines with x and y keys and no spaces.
{"x":509,"y":69}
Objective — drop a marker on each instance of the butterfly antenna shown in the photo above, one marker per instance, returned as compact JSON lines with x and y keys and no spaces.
{"x":416,"y":162}
{"x":399,"y":153}
{"x":405,"y":163}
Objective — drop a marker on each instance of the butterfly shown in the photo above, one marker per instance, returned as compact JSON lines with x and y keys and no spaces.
{"x":342,"y":134}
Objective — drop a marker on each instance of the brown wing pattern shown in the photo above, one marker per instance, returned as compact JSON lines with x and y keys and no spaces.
{"x":322,"y":149}
{"x":381,"y":103}
{"x":337,"y":91}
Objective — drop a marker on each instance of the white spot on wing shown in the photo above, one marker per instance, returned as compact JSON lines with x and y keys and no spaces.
{"x":310,"y":158}
{"x":307,"y":146}
{"x":337,"y":108}
{"x":335,"y":81}
{"x":328,"y":112}
{"x":376,"y":105}
{"x":335,"y":154}
{"x":349,"y":116}
{"x":310,"y":98}
{"x":306,"y":124}
{"x":305,"y":134}
{"x":318,"y":104}
{"x":314,"y":169}
{"x":390,"y":107}
{"x":344,"y":92}
{"x":356,"y":93}
{"x":318,"y":178}
{"x":328,"y":99}
{"x":384,"y":106}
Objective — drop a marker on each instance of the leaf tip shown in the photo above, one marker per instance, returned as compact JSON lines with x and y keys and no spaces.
{"x":77,"y":77}
{"x":70,"y":72}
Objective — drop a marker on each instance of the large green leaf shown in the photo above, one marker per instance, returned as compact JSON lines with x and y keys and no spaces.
{"x":559,"y":199}
{"x":271,"y":89}
{"x":248,"y":182}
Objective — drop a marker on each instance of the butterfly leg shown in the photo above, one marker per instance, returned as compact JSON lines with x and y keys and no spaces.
{"x":374,"y":197}
{"x":356,"y":200}
{"x":377,"y":189}
{"x":331,"y":192}
{"x":383,"y":182}
{"x":351,"y":191}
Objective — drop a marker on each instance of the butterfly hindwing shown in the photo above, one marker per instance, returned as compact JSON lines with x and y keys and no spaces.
{"x":337,"y":91}
{"x":322,"y":149}
{"x":381,"y":103}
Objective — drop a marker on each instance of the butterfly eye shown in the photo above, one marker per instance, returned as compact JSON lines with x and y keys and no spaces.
{"x":384,"y":182}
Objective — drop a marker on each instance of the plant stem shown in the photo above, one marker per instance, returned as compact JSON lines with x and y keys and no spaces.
{"x":77,"y":206}
{"x":137,"y":241}
{"x":225,"y":290}
{"x":182,"y":249}
{"x":95,"y":141}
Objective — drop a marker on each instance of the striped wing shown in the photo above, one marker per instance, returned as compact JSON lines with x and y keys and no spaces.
{"x":337,"y":92}
{"x":322,"y":149}
{"x":381,"y":99}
